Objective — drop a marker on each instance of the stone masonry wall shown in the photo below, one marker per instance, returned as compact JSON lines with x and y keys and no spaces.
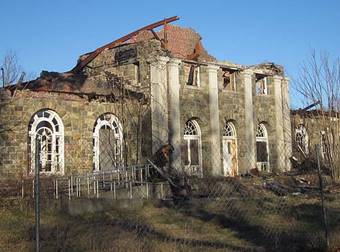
{"x":314,"y":125}
{"x":265,"y":113}
{"x":232,"y":109}
{"x":132,"y":61}
{"x":78,"y":116}
{"x":194,"y":104}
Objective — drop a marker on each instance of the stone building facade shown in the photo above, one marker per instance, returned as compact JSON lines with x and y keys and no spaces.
{"x":315,"y":127}
{"x":222,"y":118}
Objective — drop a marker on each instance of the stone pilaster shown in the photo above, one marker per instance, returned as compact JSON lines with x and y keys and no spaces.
{"x":287,"y":131}
{"x":159,"y":103}
{"x":174,"y":112}
{"x":215,"y":137}
{"x":250,"y":154}
{"x":280,"y":145}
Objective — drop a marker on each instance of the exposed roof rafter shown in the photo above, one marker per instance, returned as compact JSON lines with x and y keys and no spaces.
{"x":83,"y":63}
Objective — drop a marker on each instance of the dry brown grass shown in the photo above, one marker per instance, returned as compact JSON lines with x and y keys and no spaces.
{"x":254,"y":220}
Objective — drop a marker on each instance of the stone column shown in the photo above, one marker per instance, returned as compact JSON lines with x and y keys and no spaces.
{"x":159,"y":103}
{"x":250,"y":155}
{"x":287,"y":130}
{"x":280,"y":145}
{"x":215,"y":138}
{"x":174,"y":112}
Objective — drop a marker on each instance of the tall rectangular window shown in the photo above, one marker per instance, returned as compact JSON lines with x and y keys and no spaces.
{"x":261,"y":86}
{"x":229,"y":81}
{"x":194,"y":76}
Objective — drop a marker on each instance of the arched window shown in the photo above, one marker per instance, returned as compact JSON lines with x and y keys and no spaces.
{"x":262,"y":150}
{"x":229,"y":130}
{"x":301,"y":138}
{"x":46,"y":142}
{"x":107,"y":143}
{"x":229,"y":141}
{"x":192,"y":148}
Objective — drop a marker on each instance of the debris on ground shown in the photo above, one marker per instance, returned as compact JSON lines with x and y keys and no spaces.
{"x":180,"y":188}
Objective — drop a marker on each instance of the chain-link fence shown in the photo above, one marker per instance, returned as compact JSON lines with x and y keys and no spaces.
{"x":110,"y":206}
{"x":126,"y":211}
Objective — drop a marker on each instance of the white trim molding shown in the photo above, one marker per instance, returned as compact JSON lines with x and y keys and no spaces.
{"x":47,"y":129}
{"x":108,"y":121}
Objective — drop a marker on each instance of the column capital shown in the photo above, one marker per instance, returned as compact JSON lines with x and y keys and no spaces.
{"x":174,"y":62}
{"x":277,"y":78}
{"x":162,"y":60}
{"x":212,"y":68}
{"x":248,"y":72}
{"x":159,"y":61}
{"x":286,"y":78}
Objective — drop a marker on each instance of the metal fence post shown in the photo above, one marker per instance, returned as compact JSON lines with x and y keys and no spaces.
{"x":22,"y":189}
{"x":317,"y":149}
{"x":126,"y":179}
{"x":114,"y":190}
{"x":72,"y":185}
{"x":130,"y":184}
{"x":69,"y":189}
{"x":37,"y":198}
{"x":147,"y":189}
{"x":78,"y":186}
{"x":56,"y":189}
{"x":33,"y":189}
{"x":97,"y":188}
{"x":141,"y":174}
{"x":88,"y":186}
{"x":162,"y":191}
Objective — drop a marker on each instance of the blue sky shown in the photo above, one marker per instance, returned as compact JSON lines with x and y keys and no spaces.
{"x":50,"y":35}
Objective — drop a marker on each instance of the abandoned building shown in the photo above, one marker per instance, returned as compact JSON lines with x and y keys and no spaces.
{"x":311,"y":127}
{"x":124,"y":100}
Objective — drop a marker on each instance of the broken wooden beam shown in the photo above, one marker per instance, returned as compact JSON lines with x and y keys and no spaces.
{"x":83,"y":63}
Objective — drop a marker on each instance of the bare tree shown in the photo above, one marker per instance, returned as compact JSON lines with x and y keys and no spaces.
{"x":12,"y":71}
{"x":319,"y":83}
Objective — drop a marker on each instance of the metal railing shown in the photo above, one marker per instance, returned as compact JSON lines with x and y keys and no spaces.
{"x":263,"y":166}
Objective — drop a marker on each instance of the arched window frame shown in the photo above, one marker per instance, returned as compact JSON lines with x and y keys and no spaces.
{"x":262,"y":136}
{"x":192,"y":131}
{"x":108,"y":120}
{"x":229,"y":133}
{"x":301,"y":138}
{"x":57,"y":141}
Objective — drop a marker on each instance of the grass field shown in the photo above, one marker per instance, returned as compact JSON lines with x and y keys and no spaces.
{"x":225,"y":220}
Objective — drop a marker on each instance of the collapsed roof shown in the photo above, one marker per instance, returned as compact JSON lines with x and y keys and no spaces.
{"x":110,"y":88}
{"x":178,"y":42}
